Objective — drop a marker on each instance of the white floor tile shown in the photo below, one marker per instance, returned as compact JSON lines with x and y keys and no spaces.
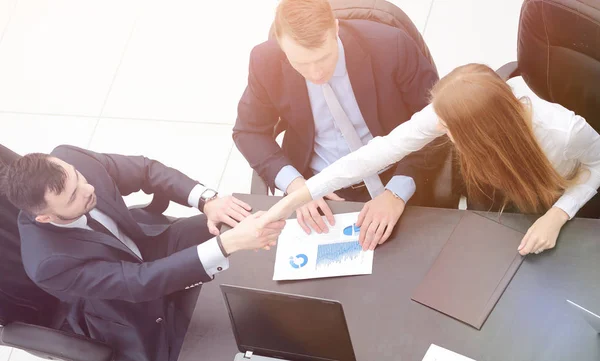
{"x":60,"y":56}
{"x":41,"y":133}
{"x":417,"y":11}
{"x":188,"y":60}
{"x":20,"y":355}
{"x":198,"y":150}
{"x":6,"y":11}
{"x":5,"y":353}
{"x":237,"y":177}
{"x":464,"y":31}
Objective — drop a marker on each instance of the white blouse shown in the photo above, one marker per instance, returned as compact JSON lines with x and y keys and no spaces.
{"x":566,"y":139}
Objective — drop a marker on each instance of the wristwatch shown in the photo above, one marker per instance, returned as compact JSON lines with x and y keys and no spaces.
{"x":206,"y":196}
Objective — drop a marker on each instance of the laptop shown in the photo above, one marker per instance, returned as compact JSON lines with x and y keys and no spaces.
{"x":277,"y":326}
{"x":591,"y":318}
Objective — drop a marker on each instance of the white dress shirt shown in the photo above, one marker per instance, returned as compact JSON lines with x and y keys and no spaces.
{"x":209,"y":252}
{"x":566,"y":139}
{"x":329,"y":144}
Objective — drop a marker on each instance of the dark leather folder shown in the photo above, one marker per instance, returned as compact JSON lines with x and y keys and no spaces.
{"x":472,"y":270}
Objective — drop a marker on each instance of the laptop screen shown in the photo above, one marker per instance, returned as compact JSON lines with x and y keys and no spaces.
{"x":288,"y":326}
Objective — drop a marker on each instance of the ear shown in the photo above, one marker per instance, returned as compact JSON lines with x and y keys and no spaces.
{"x":43,"y":218}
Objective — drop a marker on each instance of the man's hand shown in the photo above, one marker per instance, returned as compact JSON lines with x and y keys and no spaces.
{"x":252,"y":234}
{"x":544,"y":232}
{"x":378,"y":219}
{"x":309,"y":217}
{"x":228,"y":210}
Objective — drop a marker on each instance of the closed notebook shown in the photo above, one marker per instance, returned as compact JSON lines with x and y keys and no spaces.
{"x":472,"y":270}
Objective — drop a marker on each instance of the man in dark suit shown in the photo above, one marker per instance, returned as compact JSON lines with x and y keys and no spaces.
{"x":335,"y":85}
{"x":116,"y":267}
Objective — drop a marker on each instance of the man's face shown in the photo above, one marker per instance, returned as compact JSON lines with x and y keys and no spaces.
{"x":315,"y":65}
{"x":76,"y":199}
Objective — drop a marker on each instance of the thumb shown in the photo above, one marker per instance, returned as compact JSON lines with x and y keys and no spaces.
{"x":212,"y":228}
{"x":334,"y":197}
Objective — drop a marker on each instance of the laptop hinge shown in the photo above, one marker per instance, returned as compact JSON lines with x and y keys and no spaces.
{"x":248,"y":354}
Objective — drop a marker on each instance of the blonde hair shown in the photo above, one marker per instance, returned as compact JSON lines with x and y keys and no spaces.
{"x":304,"y":21}
{"x":493,"y":135}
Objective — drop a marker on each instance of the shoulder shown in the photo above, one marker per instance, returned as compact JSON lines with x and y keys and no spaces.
{"x":266,"y":55}
{"x":374,"y":33}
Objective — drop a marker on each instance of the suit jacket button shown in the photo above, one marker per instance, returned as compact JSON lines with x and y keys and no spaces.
{"x":159,"y":320}
{"x":219,"y":269}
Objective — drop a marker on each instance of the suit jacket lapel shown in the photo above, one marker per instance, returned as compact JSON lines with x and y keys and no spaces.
{"x":119,"y":213}
{"x":296,"y":90}
{"x":360,"y":72}
{"x":87,"y":236}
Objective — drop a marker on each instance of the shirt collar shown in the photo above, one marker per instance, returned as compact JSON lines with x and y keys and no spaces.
{"x":80,"y":222}
{"x":340,"y":68}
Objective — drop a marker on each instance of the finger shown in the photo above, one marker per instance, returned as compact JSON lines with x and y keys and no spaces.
{"x":370,"y":241}
{"x":278,"y":225}
{"x":524,"y":241}
{"x":378,"y":234}
{"x":237,"y":208}
{"x":387,"y":234}
{"x":317,"y":219}
{"x":362,"y":215}
{"x":212,"y":228}
{"x":258,"y":214}
{"x":327,"y":212}
{"x":362,"y":235}
{"x":229,"y":221}
{"x":235,"y":214}
{"x":242,"y":204}
{"x":301,"y":221}
{"x":309,"y":220}
{"x":529,"y":246}
{"x":334,"y":197}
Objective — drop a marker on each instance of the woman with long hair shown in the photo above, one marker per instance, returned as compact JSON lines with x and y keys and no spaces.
{"x":518,"y":152}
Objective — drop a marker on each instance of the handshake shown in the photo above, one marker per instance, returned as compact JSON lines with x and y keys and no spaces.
{"x":258,"y":230}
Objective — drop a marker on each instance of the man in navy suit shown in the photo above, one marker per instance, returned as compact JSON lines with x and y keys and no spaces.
{"x":336,"y":85}
{"x":117,"y":267}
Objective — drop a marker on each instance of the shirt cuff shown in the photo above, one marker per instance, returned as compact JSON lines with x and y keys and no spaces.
{"x":571,"y":205}
{"x":402,"y":186}
{"x":212,"y":258}
{"x":285,"y":177}
{"x":194,"y":197}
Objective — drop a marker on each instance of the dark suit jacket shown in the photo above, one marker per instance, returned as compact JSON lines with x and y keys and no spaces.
{"x":115,"y":296}
{"x":390,"y":77}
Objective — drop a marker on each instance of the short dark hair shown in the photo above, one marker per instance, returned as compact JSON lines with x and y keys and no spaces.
{"x":26,"y":180}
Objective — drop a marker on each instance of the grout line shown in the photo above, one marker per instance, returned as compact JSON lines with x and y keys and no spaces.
{"x":10,"y":354}
{"x":428,"y":15}
{"x":12,"y":13}
{"x":226,"y":164}
{"x":120,"y":63}
{"x":119,"y":118}
{"x":89,"y":144}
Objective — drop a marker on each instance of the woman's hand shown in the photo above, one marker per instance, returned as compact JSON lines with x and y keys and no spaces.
{"x":283,"y":209}
{"x":543,"y":233}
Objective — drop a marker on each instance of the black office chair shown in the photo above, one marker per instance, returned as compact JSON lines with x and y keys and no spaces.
{"x":33,"y":320}
{"x":558,"y":54}
{"x":386,"y":13}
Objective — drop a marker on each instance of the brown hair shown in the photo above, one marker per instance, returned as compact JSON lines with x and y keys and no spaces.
{"x":26,"y":180}
{"x":493,"y":135}
{"x":305,"y":21}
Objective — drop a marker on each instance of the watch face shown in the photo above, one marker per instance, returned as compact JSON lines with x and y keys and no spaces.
{"x":209,"y":194}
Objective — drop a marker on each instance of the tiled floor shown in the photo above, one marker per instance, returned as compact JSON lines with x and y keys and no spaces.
{"x":162,"y":78}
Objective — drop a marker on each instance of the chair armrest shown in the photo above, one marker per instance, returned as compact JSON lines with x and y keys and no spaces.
{"x":57,"y":344}
{"x":509,"y":70}
{"x":258,"y":185}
